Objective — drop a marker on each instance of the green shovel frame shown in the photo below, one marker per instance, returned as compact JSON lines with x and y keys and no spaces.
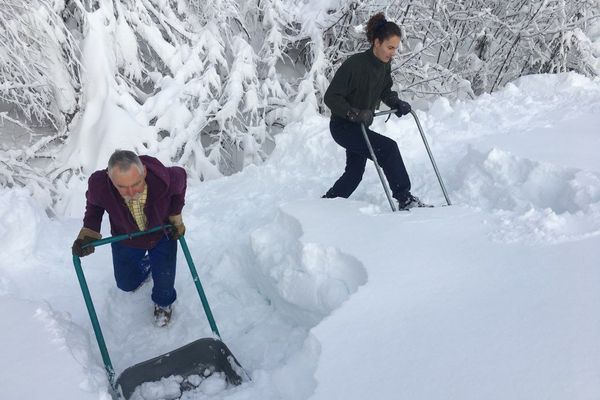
{"x":90,"y":305}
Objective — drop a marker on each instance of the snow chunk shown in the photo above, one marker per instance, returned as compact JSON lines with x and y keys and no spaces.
{"x":307,"y":279}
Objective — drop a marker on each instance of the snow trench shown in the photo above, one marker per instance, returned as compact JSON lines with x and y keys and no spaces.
{"x":297,"y":284}
{"x":267,"y":289}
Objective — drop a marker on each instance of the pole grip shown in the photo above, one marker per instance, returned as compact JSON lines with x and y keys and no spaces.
{"x":385,"y":112}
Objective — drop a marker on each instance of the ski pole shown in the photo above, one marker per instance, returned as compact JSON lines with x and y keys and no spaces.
{"x":381,"y":177}
{"x":437,"y":173}
{"x":435,"y":168}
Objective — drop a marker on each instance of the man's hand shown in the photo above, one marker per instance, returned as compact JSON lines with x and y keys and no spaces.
{"x":85,"y":236}
{"x":178,"y":228}
{"x":360,"y":116}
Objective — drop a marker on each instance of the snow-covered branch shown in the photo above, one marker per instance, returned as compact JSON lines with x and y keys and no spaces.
{"x":39,"y":63}
{"x":205,"y":84}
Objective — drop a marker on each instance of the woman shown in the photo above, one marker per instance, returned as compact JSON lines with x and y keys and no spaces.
{"x":361,"y":82}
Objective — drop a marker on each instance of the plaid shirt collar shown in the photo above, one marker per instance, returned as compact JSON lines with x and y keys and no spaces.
{"x":136,"y":207}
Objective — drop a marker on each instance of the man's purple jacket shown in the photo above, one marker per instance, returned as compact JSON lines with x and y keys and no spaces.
{"x":166,"y":197}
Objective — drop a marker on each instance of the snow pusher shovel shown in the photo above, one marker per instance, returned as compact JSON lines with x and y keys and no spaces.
{"x":380,"y":173}
{"x":206,"y":355}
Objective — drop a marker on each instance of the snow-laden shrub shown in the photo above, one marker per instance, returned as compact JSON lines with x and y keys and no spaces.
{"x":204,"y":84}
{"x":458,"y":48}
{"x":39,"y":62}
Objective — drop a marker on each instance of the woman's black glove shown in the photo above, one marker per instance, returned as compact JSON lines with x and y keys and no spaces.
{"x":360,"y":116}
{"x":403,"y":108}
{"x":393,"y":102}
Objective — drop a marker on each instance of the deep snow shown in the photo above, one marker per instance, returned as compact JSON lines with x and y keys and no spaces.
{"x":495,"y":297}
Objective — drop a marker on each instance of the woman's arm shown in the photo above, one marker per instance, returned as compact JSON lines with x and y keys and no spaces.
{"x":339,"y":88}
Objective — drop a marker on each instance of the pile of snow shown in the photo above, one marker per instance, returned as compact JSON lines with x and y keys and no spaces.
{"x":44,"y":355}
{"x":495,"y":297}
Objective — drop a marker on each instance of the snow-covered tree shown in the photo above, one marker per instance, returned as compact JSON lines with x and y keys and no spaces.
{"x":189,"y":73}
{"x":488,"y":43}
{"x":39,"y":62}
{"x":204,"y":84}
{"x":457,"y":48}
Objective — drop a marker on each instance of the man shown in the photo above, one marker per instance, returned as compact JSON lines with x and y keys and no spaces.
{"x":138,"y":193}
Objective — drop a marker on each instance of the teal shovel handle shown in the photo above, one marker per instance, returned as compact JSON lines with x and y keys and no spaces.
{"x":110,"y":371}
{"x":209,"y":315}
{"x":125,"y":236}
{"x":90,"y":305}
{"x":188,"y":257}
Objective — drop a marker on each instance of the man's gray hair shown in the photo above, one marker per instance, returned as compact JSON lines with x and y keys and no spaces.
{"x":123,"y":160}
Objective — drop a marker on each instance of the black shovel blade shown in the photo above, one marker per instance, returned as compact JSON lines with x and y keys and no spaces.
{"x":192,"y":359}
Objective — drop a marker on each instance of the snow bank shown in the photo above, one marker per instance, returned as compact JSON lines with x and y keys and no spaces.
{"x":449,"y":313}
{"x":44,"y":354}
{"x":19,"y":220}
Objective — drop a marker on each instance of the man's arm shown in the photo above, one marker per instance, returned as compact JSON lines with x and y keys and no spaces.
{"x":177,"y":188}
{"x":92,"y":219}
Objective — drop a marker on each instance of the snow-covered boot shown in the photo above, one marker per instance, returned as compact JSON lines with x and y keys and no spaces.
{"x":411,"y":201}
{"x":162,"y":315}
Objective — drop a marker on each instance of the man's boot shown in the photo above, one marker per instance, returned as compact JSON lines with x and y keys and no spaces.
{"x":162,"y":315}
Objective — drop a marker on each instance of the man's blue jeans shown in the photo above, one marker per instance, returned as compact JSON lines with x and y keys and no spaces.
{"x":130,"y":271}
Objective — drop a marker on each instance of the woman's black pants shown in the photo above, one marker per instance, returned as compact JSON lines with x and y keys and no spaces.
{"x":349,"y":135}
